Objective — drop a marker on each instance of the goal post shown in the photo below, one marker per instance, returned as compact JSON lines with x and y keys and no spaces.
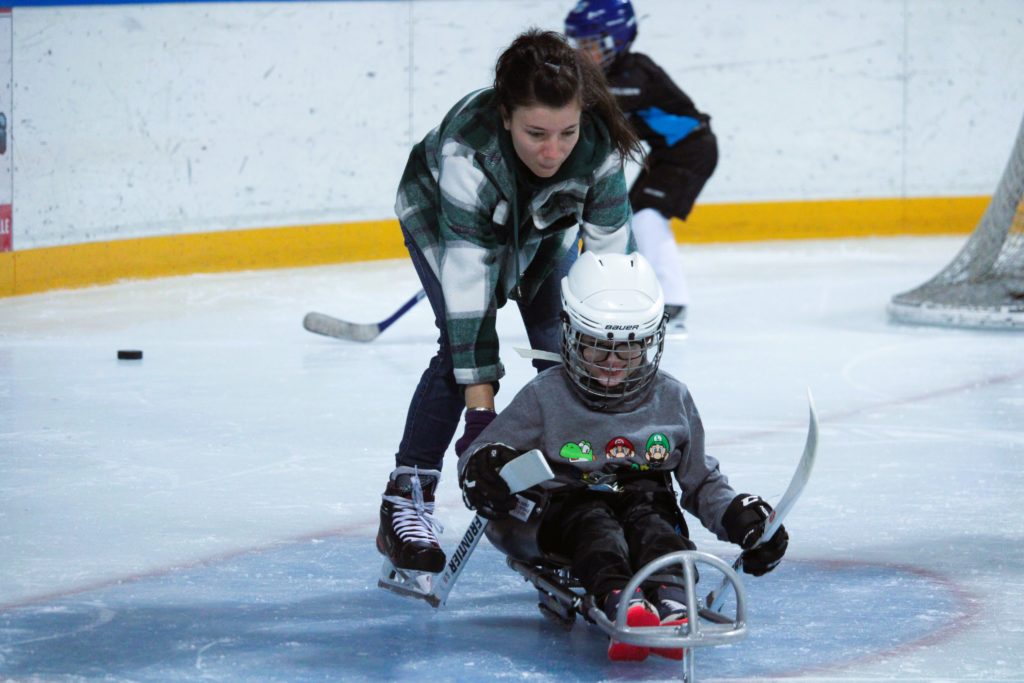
{"x":983,"y":286}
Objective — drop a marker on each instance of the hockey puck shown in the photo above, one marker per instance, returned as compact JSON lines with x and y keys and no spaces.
{"x":129,"y":354}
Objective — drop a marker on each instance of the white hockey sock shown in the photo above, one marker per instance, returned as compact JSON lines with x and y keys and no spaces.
{"x":654,"y":239}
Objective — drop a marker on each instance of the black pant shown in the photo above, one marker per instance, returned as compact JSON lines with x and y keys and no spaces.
{"x":674,"y":176}
{"x":609,"y":536}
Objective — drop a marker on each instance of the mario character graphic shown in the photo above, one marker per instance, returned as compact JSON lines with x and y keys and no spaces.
{"x":619,"y":448}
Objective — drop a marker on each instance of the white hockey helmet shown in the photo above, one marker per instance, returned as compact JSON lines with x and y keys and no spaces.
{"x":613,"y":329}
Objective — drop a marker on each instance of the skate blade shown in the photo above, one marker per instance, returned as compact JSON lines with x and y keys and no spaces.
{"x":408,"y":583}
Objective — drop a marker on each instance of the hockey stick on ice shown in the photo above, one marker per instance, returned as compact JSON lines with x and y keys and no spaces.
{"x":328,"y":326}
{"x":529,"y":469}
{"x":715,"y":600}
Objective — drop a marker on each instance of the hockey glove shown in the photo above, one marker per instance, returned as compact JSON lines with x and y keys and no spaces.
{"x":744,"y":521}
{"x":483,"y":489}
{"x":476,"y":421}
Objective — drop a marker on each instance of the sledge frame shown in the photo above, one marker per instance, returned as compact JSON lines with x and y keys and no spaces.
{"x":561,"y":599}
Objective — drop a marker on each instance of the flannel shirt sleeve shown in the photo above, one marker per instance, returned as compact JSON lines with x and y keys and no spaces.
{"x":606,"y":212}
{"x":469,"y":264}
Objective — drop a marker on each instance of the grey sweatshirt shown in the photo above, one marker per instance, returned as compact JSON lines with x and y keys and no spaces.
{"x":632,"y":443}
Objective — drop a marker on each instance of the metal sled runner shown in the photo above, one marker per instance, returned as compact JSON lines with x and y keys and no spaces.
{"x":561,"y":599}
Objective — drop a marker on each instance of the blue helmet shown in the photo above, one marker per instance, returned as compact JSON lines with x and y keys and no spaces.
{"x":604,"y":28}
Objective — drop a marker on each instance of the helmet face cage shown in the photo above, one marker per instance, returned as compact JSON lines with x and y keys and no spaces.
{"x":603,"y":27}
{"x":611,"y":368}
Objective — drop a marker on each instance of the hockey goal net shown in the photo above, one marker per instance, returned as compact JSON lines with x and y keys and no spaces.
{"x":984,"y":285}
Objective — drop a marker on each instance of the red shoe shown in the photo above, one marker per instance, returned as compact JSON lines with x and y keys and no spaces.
{"x":640,"y":613}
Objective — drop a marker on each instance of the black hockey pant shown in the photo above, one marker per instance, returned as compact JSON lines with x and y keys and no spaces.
{"x":608,"y":536}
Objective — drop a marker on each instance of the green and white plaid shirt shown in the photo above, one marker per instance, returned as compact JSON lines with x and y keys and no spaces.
{"x":461,"y":198}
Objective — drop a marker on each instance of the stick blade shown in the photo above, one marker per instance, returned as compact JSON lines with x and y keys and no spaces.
{"x":716,"y":598}
{"x":800,"y":478}
{"x":527,"y":470}
{"x":318,"y":323}
{"x":531,"y":354}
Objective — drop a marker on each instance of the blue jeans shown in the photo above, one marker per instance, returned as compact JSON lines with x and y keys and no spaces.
{"x":437,"y":404}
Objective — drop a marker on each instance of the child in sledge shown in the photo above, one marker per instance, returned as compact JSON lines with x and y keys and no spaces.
{"x":617,"y":431}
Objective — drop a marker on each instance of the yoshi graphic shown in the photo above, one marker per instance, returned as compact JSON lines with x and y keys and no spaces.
{"x":576,"y":451}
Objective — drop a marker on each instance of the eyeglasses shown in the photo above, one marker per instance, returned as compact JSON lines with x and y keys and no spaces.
{"x":599,"y":352}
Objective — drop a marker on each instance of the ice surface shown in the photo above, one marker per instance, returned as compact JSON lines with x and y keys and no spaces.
{"x":208,"y":512}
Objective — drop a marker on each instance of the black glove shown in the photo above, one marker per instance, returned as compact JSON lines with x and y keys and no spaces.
{"x":744,"y":521}
{"x":483,"y":489}
{"x":476,"y":421}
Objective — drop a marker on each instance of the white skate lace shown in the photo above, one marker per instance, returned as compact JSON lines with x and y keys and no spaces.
{"x":413,"y":520}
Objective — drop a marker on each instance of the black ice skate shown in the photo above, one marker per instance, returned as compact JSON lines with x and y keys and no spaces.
{"x":407,"y":534}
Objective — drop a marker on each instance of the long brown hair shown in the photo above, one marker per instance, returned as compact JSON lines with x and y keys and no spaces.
{"x":540,"y":67}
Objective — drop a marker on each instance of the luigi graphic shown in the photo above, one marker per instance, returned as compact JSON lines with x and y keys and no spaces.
{"x":657,"y":448}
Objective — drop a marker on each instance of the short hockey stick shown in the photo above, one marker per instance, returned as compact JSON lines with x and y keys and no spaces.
{"x":715,"y":600}
{"x":328,"y":326}
{"x":529,"y":469}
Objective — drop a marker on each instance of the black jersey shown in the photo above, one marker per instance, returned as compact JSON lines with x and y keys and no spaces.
{"x":661,"y":113}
